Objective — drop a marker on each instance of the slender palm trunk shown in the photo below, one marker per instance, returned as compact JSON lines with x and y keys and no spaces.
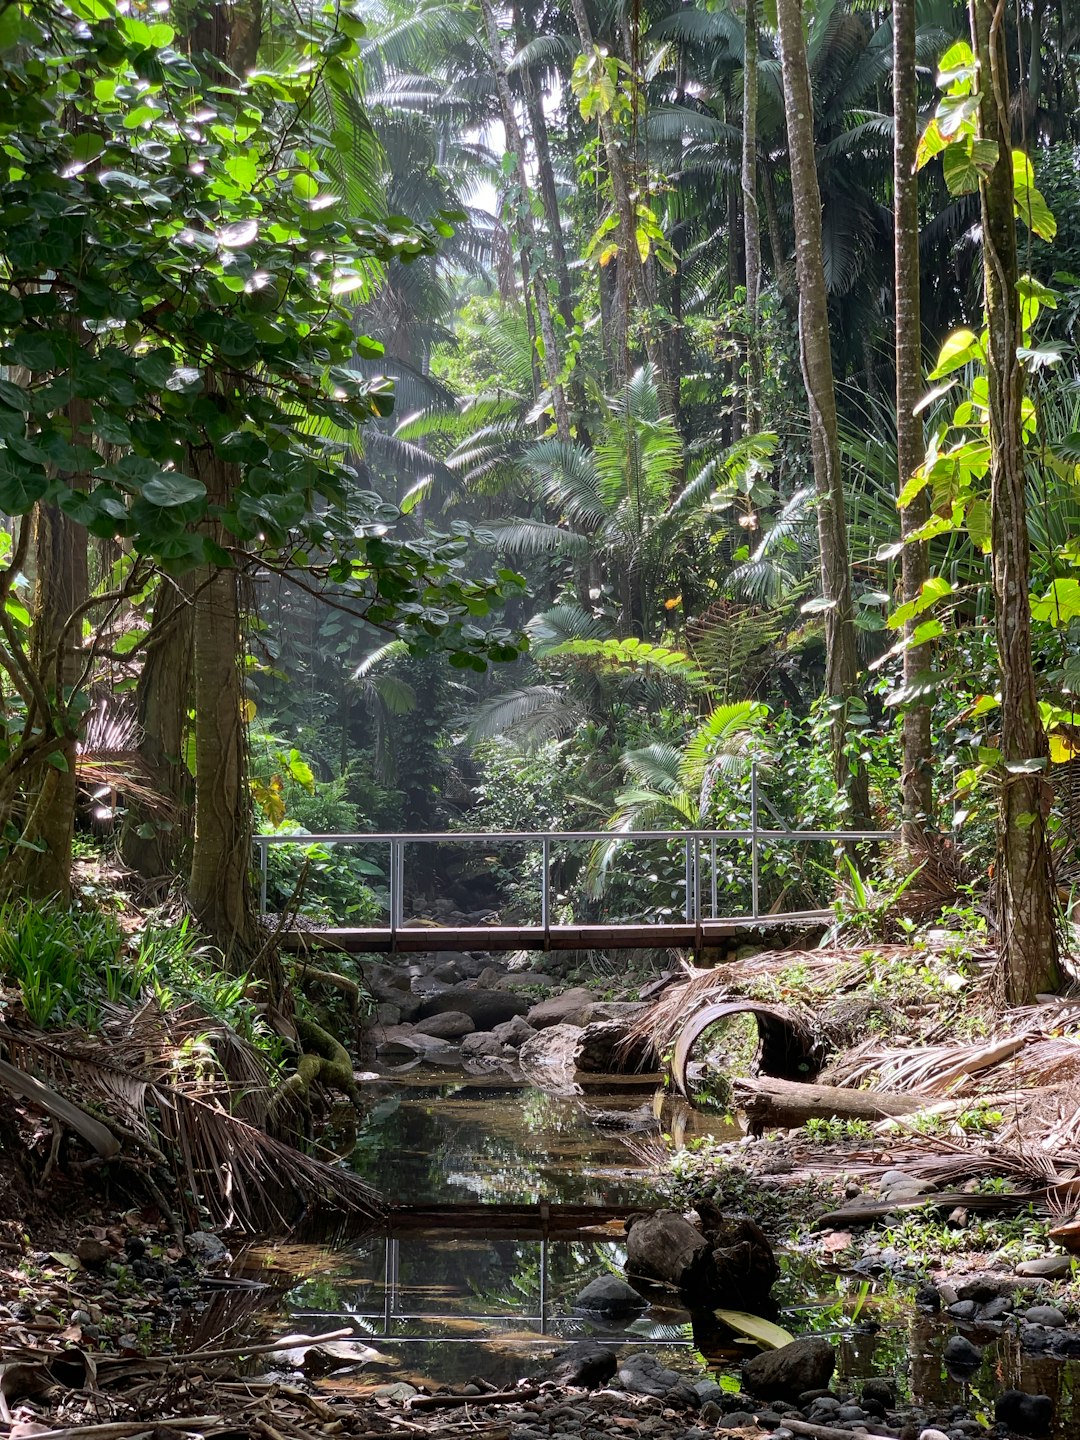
{"x":525,"y":228}
{"x":916,"y":780}
{"x":751,"y":218}
{"x":816,"y":355}
{"x":1028,"y":958}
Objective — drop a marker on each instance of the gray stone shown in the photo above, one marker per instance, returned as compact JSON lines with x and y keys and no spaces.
{"x":1046,"y":1267}
{"x":206,"y":1248}
{"x":587,"y":1364}
{"x":643,"y":1374}
{"x":448,"y":971}
{"x":450,"y":1025}
{"x":879,"y":1392}
{"x":608,"y":1295}
{"x":710,"y":1412}
{"x":1026,"y":1414}
{"x":851,"y":1412}
{"x":805,"y":1364}
{"x":1048,"y":1315}
{"x":933,"y":1435}
{"x":481,"y":1044}
{"x":664,"y":1246}
{"x":961,"y":1354}
{"x":514,"y":1032}
{"x":572,"y":1007}
{"x":552,"y":1051}
{"x":737,"y":1420}
{"x":995,"y":1309}
{"x":485,"y":1008}
{"x":605,"y":1049}
{"x":984,"y":1287}
{"x":399,"y":1391}
{"x":963,"y":1310}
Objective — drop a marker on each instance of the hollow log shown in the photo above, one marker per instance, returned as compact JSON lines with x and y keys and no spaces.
{"x":783,"y":1104}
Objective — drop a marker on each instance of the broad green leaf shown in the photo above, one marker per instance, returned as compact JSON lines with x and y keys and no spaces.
{"x":961,"y":347}
{"x":1060,"y":605}
{"x":931,"y":591}
{"x":1030,"y":205}
{"x":171,"y":488}
{"x":766,"y":1333}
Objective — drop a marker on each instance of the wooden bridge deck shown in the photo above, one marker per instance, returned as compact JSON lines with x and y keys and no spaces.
{"x":541,"y":1219}
{"x":497,"y":939}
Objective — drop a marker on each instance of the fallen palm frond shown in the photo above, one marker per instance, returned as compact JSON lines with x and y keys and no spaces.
{"x":184,"y":1091}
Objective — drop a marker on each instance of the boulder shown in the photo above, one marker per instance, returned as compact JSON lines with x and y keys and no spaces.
{"x":785,"y":1374}
{"x":552,"y":1050}
{"x":603,"y":1050}
{"x":611,"y":1297}
{"x":485,"y":1008}
{"x":746,"y":1268}
{"x":664,"y":1246}
{"x":1046,"y":1267}
{"x":514,"y":1032}
{"x":206,"y":1248}
{"x":642,"y":1374}
{"x":960,"y":1354}
{"x":1026,"y":1414}
{"x":402,"y":1042}
{"x":481,"y":1044}
{"x":588,"y":1364}
{"x":569,"y":1008}
{"x":1048,"y":1315}
{"x":450,"y":1025}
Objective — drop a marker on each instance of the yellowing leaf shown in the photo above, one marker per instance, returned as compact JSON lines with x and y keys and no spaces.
{"x":248,"y":710}
{"x":961,"y":347}
{"x":1062,"y":748}
{"x":764,"y":1332}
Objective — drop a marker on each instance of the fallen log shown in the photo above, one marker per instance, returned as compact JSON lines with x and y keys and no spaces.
{"x":785,"y":1104}
{"x":494,"y":1397}
{"x":863,"y":1213}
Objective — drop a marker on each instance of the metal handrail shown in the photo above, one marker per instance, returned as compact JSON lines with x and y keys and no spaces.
{"x":691,"y":841}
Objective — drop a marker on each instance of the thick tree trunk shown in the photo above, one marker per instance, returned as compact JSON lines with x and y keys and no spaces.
{"x":816,"y":354}
{"x":916,"y":779}
{"x":523,"y":216}
{"x":1028,"y":957}
{"x":751,"y":219}
{"x":151,"y":842}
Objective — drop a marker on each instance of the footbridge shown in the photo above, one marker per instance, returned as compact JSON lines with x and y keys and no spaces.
{"x":701,"y":863}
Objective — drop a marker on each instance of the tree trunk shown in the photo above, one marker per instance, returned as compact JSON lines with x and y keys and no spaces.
{"x":769,"y":1103}
{"x":151,"y":842}
{"x":1028,"y":957}
{"x":816,"y":355}
{"x":525,"y":229}
{"x":916,"y":779}
{"x":751,"y":218}
{"x":220,"y":890}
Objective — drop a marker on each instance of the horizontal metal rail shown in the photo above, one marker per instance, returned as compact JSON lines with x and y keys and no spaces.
{"x":559,"y":936}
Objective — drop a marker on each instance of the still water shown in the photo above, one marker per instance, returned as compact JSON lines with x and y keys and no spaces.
{"x":448,"y":1307}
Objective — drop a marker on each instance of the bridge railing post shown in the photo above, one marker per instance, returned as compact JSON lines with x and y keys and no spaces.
{"x":397,"y":875}
{"x":755,"y":858}
{"x":688,"y":879}
{"x":545,"y":884}
{"x":264,"y":869}
{"x":714,"y":879}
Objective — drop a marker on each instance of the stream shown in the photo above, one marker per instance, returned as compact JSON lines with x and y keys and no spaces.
{"x":439,"y":1309}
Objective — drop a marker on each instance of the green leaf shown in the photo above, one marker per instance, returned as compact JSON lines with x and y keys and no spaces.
{"x":965,"y":164}
{"x":169,"y":488}
{"x":1030,"y":205}
{"x":58,"y":760}
{"x":1059,"y":606}
{"x":931,"y":591}
{"x":767,"y":1334}
{"x":959,"y":350}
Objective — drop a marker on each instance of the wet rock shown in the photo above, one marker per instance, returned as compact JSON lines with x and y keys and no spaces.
{"x":514,"y":1032}
{"x":1063,"y":1343}
{"x":449,"y":971}
{"x":1046,"y":1267}
{"x":878,"y":1392}
{"x":397,"y":1393}
{"x":485,"y":1008}
{"x":737,"y":1420}
{"x":851,"y":1412}
{"x":206,"y":1248}
{"x":610,"y":1296}
{"x":1048,"y":1315}
{"x":604,"y":1049}
{"x":928,"y":1298}
{"x":746,"y":1268}
{"x":983,"y":1288}
{"x":450,"y":1025}
{"x":708,"y":1390}
{"x":401,"y":1042}
{"x":643,"y":1374}
{"x":995,"y":1309}
{"x":805,"y":1364}
{"x":588,"y":1364}
{"x":710,"y":1412}
{"x":961,"y":1354}
{"x":664,"y":1246}
{"x":552,"y":1050}
{"x":963,"y":1310}
{"x":481,"y":1044}
{"x":1026,"y":1414}
{"x":572,"y":1007}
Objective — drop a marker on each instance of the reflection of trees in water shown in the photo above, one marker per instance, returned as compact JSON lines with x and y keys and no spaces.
{"x":450,"y":1143}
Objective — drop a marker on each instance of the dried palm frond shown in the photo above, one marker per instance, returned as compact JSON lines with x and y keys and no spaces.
{"x":186,"y":1092}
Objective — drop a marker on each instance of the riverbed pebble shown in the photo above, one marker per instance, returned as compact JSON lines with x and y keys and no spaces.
{"x":1048,"y":1315}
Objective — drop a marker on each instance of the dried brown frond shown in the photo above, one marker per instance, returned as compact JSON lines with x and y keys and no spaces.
{"x":183,"y":1090}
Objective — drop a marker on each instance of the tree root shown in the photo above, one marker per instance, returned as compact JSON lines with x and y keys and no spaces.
{"x":309,"y":975}
{"x":323,"y":1060}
